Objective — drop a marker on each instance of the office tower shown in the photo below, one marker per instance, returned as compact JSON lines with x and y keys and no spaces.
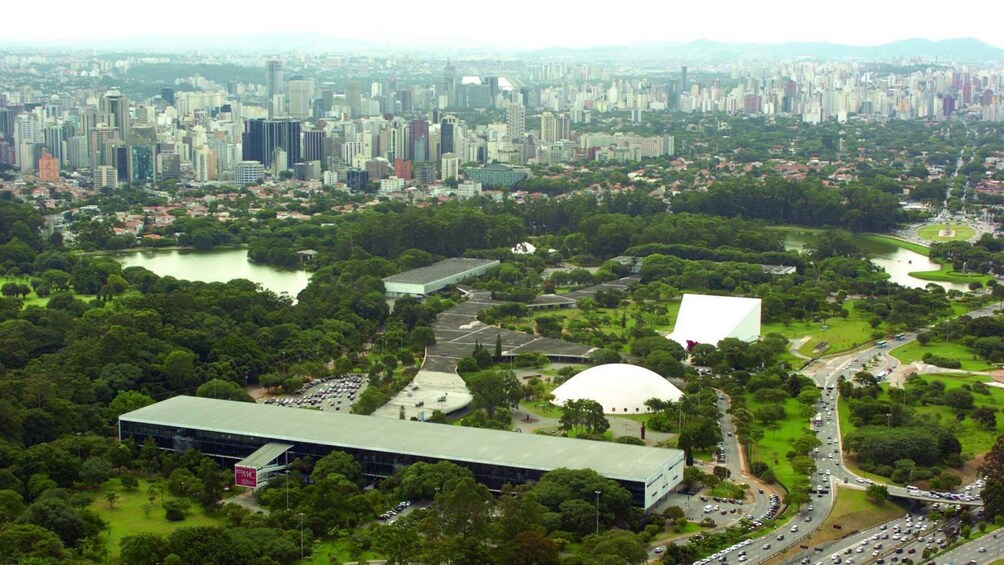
{"x":548,"y":128}
{"x":141,"y":164}
{"x":116,"y":105}
{"x":450,"y":167}
{"x":402,"y":169}
{"x":354,"y":98}
{"x":683,"y":80}
{"x":48,"y":167}
{"x":273,"y":78}
{"x":356,"y":178}
{"x":105,"y":177}
{"x":405,"y":98}
{"x":169,"y":165}
{"x":248,"y":172}
{"x":262,"y":136}
{"x":450,"y":84}
{"x":167,"y":95}
{"x":425,"y":173}
{"x":515,"y":116}
{"x":419,"y":140}
{"x":300,"y":91}
{"x":98,"y":137}
{"x":117,"y":155}
{"x":76,"y":152}
{"x":377,"y":169}
{"x":7,"y":119}
{"x":447,"y":133}
{"x":313,"y":145}
{"x":562,"y":127}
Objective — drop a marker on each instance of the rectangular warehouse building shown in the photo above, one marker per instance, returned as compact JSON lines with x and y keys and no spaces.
{"x":231,"y":431}
{"x":426,"y":280}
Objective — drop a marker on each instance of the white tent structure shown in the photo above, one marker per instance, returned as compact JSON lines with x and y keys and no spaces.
{"x":619,"y":388}
{"x":706,"y":318}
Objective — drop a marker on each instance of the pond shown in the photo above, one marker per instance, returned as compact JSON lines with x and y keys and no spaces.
{"x":896,"y":261}
{"x":218,"y":265}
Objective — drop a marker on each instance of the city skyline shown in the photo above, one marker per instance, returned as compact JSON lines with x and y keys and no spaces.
{"x":520,"y":26}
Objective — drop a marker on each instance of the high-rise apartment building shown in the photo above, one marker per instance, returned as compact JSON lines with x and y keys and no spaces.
{"x":204,"y":164}
{"x":515,"y":116}
{"x":449,"y":166}
{"x":548,"y":128}
{"x":48,"y":167}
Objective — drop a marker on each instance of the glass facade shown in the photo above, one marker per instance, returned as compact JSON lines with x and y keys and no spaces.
{"x":229,"y":448}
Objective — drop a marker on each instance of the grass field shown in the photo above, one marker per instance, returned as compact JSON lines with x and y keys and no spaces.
{"x":914,"y":351}
{"x":947,"y":273}
{"x":975,"y":440}
{"x":126,"y":518}
{"x":34,"y":299}
{"x":930,"y":233}
{"x":777,"y":442}
{"x":842,"y":334}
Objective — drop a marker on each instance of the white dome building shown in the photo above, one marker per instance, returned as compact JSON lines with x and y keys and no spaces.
{"x":618,"y":387}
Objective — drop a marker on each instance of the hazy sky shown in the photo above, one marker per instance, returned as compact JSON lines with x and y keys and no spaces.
{"x":517,"y":24}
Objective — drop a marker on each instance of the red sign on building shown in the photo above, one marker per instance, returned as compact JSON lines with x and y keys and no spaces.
{"x":245,"y":476}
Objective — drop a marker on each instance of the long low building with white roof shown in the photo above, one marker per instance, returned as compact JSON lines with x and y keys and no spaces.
{"x":232,"y":431}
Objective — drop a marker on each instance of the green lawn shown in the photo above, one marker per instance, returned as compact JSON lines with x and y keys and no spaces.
{"x":842,"y":334}
{"x":947,"y":273}
{"x":888,"y":239}
{"x":34,"y":299}
{"x":914,"y":351}
{"x":337,"y":551}
{"x":126,"y":518}
{"x":930,"y":233}
{"x":975,"y":440}
{"x":777,"y":442}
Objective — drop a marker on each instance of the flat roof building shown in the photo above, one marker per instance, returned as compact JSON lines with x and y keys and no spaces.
{"x":231,"y":431}
{"x":426,"y":280}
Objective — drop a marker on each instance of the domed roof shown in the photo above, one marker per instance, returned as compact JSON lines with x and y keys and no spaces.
{"x":618,"y":387}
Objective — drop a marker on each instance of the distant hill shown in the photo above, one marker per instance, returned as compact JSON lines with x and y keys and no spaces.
{"x":961,"y":49}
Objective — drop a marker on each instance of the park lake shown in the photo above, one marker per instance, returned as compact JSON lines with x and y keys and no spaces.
{"x":896,"y":261}
{"x":218,"y":265}
{"x":222,"y":265}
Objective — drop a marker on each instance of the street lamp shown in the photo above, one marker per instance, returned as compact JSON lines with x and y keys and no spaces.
{"x":598,"y":511}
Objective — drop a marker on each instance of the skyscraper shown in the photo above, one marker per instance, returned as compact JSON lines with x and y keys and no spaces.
{"x":683,"y":80}
{"x":273,"y":77}
{"x":354,"y":97}
{"x":300,"y":91}
{"x":548,"y":128}
{"x":419,"y":140}
{"x":263,"y":136}
{"x":516,"y":120}
{"x":116,"y":105}
{"x":313,"y":145}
